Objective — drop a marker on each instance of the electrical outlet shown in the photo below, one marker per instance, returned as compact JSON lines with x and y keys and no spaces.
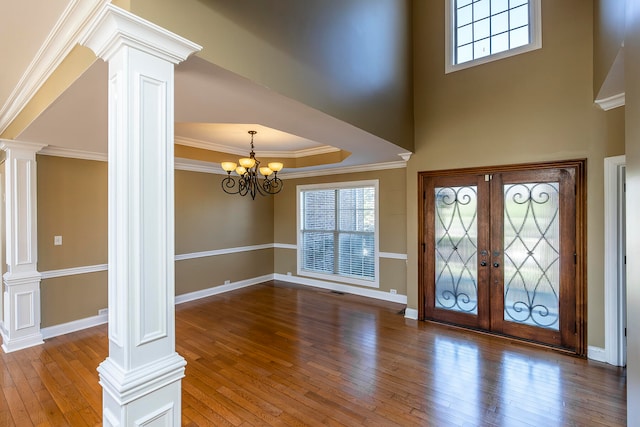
{"x":288,"y":273}
{"x":226,"y":282}
{"x":393,"y":292}
{"x":57,"y":240}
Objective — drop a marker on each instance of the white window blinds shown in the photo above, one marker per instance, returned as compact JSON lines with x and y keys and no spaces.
{"x":338,"y":231}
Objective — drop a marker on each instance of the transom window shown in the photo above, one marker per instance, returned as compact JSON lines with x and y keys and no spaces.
{"x":480,"y":31}
{"x":338,"y":232}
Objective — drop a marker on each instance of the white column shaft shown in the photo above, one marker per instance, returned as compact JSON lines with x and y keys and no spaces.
{"x":141,"y":378}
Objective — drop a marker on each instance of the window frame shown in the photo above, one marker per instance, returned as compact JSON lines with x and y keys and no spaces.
{"x":535,"y":35}
{"x":375,"y":283}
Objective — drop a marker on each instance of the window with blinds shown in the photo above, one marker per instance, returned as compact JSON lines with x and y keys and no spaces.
{"x":338,"y":232}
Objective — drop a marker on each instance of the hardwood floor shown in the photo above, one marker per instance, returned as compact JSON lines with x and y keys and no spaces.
{"x":280,"y":354}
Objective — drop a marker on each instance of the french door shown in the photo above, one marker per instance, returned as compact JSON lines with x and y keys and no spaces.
{"x":500,"y":251}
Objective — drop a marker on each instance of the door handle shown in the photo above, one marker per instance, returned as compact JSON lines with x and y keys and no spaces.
{"x":495,"y":264}
{"x":483,"y":263}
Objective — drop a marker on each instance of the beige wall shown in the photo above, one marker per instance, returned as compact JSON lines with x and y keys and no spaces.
{"x":207,"y":218}
{"x":532,"y":107}
{"x":348,"y":58}
{"x":392,"y":222}
{"x":608,"y":38}
{"x":72,"y":202}
{"x":65,"y":299}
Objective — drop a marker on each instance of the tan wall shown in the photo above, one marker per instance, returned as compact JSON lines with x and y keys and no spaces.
{"x":608,"y":37}
{"x":72,"y":202}
{"x":392,"y":226}
{"x":348,"y":58}
{"x":203,"y":273}
{"x":65,"y":299}
{"x":207,"y":218}
{"x":532,"y":107}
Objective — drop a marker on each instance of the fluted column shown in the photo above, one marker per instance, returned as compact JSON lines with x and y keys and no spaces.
{"x":141,"y":377}
{"x":21,"y":315}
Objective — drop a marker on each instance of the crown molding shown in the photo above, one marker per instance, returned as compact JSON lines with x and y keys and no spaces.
{"x":214,"y":168}
{"x":192,"y":166}
{"x":205,"y":145}
{"x":346,"y":169}
{"x":61,"y":40}
{"x":611,"y":102}
{"x":73,"y":154}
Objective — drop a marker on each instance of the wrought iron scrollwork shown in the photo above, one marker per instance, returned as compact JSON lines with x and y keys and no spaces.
{"x":249,"y":183}
{"x":456,"y":249}
{"x":531,"y":251}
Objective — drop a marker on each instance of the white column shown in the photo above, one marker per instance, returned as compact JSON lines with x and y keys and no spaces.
{"x":141,"y":377}
{"x":21,"y":311}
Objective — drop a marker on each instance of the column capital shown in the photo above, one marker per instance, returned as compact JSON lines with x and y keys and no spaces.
{"x":11,"y":144}
{"x":114,"y":28}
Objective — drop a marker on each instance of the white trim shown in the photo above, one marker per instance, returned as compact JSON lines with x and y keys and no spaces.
{"x":341,"y":170}
{"x":64,"y":272}
{"x":364,"y":292}
{"x":73,"y":154}
{"x":215,"y":290}
{"x":596,"y":353}
{"x":214,"y":168}
{"x":285,"y":246}
{"x":76,"y":325}
{"x":212,"y":146}
{"x":391,"y":255}
{"x":613,"y":298}
{"x":60,"y":41}
{"x":611,"y":102}
{"x":535,"y":35}
{"x":197,"y":166}
{"x":411,"y":313}
{"x":225,"y":251}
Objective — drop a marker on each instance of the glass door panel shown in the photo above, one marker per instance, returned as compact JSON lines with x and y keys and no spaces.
{"x":456,"y":248}
{"x":532,"y":254}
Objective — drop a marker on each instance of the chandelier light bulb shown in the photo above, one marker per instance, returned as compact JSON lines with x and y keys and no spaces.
{"x":228,"y":166}
{"x":247,"y":162}
{"x":276,"y":166}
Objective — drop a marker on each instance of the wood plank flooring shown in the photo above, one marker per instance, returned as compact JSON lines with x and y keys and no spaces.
{"x":278,"y":354}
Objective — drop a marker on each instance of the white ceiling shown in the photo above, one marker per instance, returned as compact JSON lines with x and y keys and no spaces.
{"x":214,"y":108}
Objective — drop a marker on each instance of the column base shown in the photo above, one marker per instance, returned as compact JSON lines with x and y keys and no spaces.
{"x":150,"y":395}
{"x":21,"y":325}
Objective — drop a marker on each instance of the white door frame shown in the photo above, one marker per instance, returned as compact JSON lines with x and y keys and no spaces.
{"x":614,"y":268}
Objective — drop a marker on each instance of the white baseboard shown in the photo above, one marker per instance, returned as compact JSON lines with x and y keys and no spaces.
{"x":76,"y":325}
{"x":370,"y":293}
{"x":192,"y":296}
{"x":597,"y":353}
{"x":411,"y":313}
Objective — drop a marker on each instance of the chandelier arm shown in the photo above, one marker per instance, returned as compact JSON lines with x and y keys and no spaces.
{"x":228,"y":185}
{"x":249,"y":182}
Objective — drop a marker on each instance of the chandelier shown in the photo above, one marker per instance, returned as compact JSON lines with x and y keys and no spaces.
{"x":248,"y":180}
